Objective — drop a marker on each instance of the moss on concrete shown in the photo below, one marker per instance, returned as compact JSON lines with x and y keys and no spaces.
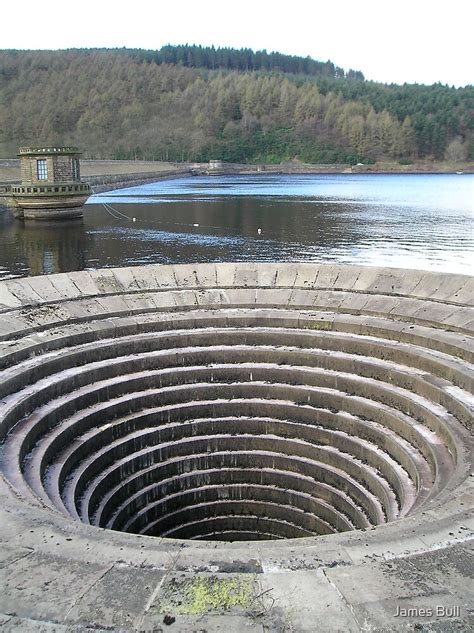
{"x":207,"y":594}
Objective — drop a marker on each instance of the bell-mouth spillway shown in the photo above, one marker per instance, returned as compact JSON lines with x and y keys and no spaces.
{"x":243,"y":402}
{"x":236,"y":402}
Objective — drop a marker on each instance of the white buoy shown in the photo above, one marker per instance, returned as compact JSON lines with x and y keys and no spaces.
{"x":259,"y":231}
{"x":134,"y":219}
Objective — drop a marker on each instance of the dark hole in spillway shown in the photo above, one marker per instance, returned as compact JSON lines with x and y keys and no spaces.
{"x":233,"y":420}
{"x":265,"y":435}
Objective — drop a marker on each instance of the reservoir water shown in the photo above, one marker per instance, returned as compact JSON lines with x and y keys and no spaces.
{"x":412,"y":221}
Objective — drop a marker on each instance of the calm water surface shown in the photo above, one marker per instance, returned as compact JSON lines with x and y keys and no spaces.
{"x":413,"y":221}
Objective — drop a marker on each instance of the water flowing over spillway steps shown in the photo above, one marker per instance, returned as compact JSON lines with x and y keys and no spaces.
{"x":237,"y":401}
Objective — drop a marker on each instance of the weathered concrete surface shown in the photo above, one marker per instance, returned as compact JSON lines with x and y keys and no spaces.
{"x":374,"y":364}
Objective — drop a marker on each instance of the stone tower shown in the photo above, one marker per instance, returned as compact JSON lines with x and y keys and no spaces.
{"x":51,"y":186}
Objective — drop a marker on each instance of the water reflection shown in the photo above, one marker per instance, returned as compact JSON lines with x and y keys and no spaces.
{"x":409,"y":221}
{"x":42,"y":248}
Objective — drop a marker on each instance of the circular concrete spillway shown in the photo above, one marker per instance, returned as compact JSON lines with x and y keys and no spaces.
{"x":236,"y":402}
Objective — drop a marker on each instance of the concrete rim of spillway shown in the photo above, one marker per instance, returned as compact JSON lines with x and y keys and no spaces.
{"x":415,"y":314}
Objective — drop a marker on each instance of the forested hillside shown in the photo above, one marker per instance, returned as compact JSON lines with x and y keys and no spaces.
{"x":192,"y":103}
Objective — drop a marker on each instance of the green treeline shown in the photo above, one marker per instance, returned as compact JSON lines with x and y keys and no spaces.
{"x":243,"y":59}
{"x":188,"y":103}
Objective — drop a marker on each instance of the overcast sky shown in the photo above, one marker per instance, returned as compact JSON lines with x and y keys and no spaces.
{"x":413,"y":41}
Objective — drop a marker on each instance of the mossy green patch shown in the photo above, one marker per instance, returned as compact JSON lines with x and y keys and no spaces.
{"x":205,"y":594}
{"x":320,"y":325}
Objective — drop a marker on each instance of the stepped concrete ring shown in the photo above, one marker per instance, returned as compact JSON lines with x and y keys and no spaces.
{"x":238,"y":447}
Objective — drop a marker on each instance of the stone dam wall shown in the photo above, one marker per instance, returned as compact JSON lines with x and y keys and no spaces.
{"x":248,"y":447}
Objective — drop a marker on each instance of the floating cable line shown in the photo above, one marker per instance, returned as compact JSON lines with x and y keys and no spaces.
{"x":111,"y":210}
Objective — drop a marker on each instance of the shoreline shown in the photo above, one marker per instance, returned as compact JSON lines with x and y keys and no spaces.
{"x":10,"y":167}
{"x":105,"y":176}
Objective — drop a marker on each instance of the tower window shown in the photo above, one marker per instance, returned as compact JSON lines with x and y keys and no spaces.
{"x":75,"y":169}
{"x":42,"y":169}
